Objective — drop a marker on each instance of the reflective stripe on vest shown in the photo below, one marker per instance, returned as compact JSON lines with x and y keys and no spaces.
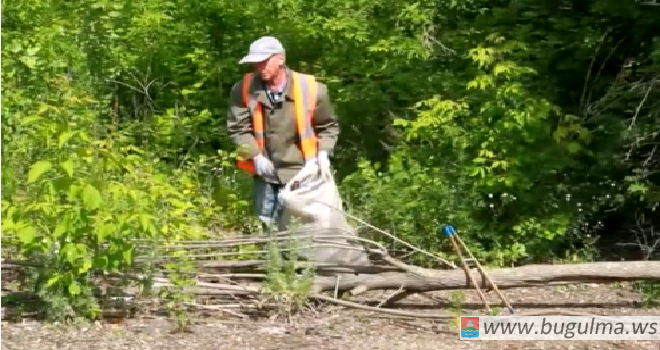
{"x":304,"y":95}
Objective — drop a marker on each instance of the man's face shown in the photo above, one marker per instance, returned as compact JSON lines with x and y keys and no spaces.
{"x":269,"y":68}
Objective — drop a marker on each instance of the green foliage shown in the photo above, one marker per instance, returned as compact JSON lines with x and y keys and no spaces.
{"x":456,"y":308}
{"x":650,"y":293}
{"x":78,"y":192}
{"x":181,"y":272}
{"x":284,"y":285}
{"x":467,"y":161}
{"x":80,"y":201}
{"x":503,"y":152}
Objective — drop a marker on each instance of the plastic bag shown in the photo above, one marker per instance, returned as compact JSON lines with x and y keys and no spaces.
{"x":312,"y":197}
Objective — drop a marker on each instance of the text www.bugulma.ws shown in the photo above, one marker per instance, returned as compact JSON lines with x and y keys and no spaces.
{"x":570,"y":329}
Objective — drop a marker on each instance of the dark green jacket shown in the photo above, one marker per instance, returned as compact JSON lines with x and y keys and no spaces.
{"x":281,"y":137}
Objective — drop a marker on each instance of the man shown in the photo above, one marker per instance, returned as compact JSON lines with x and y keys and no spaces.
{"x":281,"y":120}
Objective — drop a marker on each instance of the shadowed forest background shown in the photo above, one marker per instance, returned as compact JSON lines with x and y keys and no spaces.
{"x":532,"y":126}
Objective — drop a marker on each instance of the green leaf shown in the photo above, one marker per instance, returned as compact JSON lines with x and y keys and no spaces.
{"x":26,"y":234}
{"x":574,"y":147}
{"x":637,"y":188}
{"x":60,"y":229}
{"x":145,"y":221}
{"x":104,"y":231}
{"x":128,"y":255}
{"x":67,"y":166}
{"x":81,"y":248}
{"x":64,"y":137}
{"x":400,"y":122}
{"x":29,"y":61}
{"x":101,"y":261}
{"x":32,"y":119}
{"x":87,"y":264}
{"x":53,"y":279}
{"x":91,"y":197}
{"x":73,"y":192}
{"x":70,"y":252}
{"x":37,"y":169}
{"x":74,"y":288}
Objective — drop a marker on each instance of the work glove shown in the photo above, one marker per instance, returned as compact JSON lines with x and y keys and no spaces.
{"x":320,"y":163}
{"x":263,"y":166}
{"x":311,"y":171}
{"x":321,"y":160}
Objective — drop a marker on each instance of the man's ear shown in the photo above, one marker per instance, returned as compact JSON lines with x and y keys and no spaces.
{"x":280,"y":59}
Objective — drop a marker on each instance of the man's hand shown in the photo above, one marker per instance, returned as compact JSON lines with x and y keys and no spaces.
{"x":324,"y":161}
{"x":263,"y":166}
{"x":321,"y":159}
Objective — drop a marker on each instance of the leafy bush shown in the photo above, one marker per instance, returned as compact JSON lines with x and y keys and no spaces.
{"x":78,"y":201}
{"x":467,"y":161}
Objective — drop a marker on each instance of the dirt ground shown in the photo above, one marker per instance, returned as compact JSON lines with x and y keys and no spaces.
{"x":340,"y":328}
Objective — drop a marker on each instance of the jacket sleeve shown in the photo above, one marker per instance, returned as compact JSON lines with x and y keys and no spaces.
{"x":239,"y":124}
{"x":325,"y":120}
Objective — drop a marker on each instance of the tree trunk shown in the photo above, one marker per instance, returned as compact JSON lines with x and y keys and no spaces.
{"x":424,"y":280}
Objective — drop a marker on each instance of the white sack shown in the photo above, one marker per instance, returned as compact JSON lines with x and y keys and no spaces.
{"x":312,"y":197}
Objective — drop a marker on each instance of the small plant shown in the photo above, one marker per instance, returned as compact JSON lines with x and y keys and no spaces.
{"x":177,"y":295}
{"x":650,"y":293}
{"x":456,"y":307}
{"x":289,"y":289}
{"x":494,"y":311}
{"x":64,"y":307}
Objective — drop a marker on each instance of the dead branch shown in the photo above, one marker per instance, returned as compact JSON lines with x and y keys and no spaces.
{"x":639,"y":107}
{"x":321,"y":268}
{"x":216,"y":308}
{"x":262,"y":239}
{"x":436,"y":316}
{"x":381,"y":310}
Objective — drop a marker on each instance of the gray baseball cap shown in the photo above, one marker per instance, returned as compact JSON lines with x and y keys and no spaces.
{"x":261,"y":49}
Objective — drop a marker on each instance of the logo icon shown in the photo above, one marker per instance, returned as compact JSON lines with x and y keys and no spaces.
{"x":469,"y":327}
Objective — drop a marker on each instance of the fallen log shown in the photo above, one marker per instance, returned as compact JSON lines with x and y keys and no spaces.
{"x":426,"y":280}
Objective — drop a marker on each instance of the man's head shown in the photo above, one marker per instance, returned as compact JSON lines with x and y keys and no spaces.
{"x":267,"y":56}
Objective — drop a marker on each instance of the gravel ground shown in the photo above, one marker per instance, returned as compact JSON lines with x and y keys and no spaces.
{"x":339,"y":328}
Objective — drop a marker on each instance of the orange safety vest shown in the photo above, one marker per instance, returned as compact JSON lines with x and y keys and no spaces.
{"x":304,"y":94}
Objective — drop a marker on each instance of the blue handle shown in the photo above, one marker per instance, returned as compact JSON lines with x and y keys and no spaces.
{"x":449,"y":230}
